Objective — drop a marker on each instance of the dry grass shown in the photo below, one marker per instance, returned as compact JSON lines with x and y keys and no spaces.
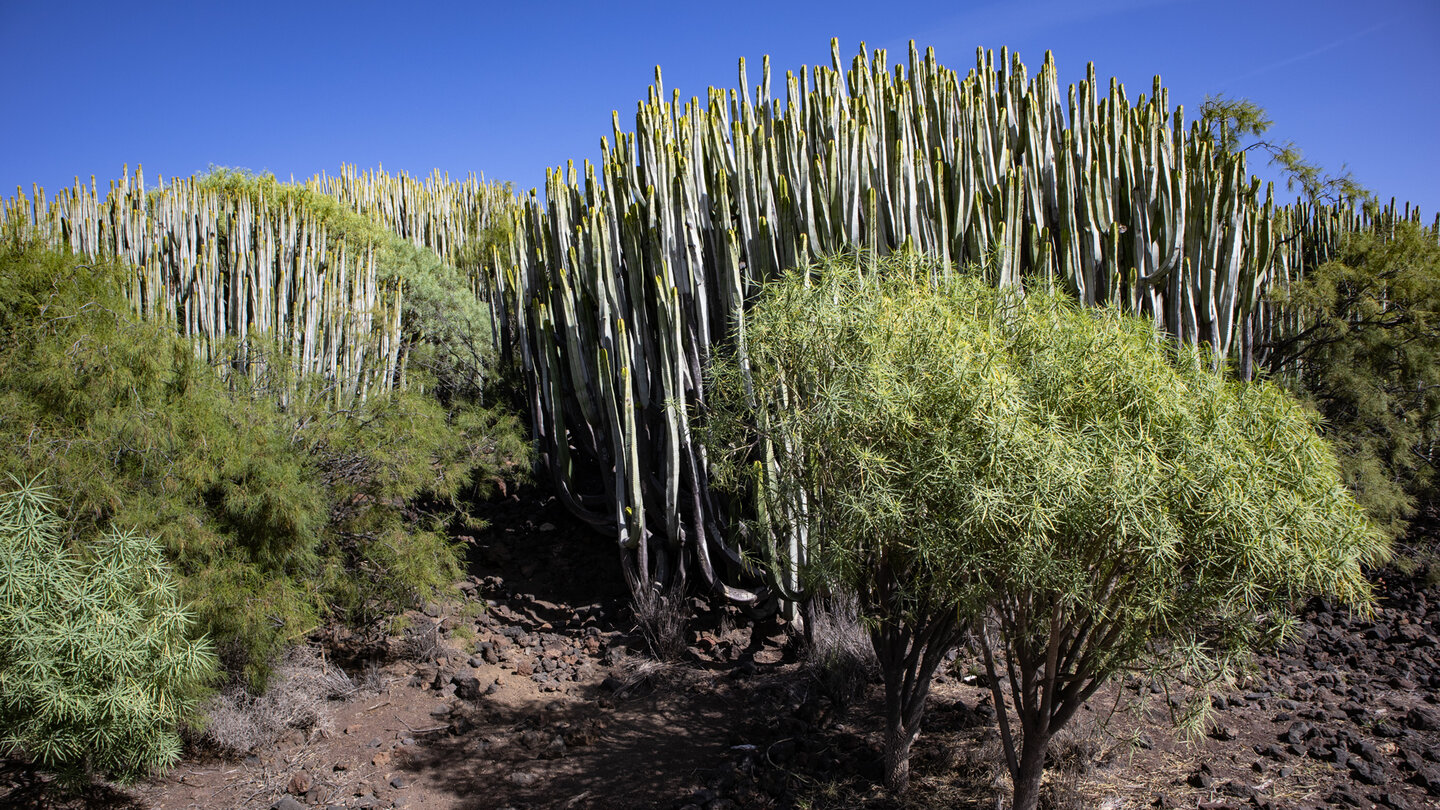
{"x":238,"y":722}
{"x":839,"y":655}
{"x":661,"y":618}
{"x":424,"y":642}
{"x":640,"y":676}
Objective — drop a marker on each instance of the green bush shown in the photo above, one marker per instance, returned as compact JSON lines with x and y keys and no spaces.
{"x":273,"y":519}
{"x":97,"y":663}
{"x":1367,"y":357}
{"x":1058,"y":481}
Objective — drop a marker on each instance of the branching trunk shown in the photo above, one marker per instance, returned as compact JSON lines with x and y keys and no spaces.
{"x":908,"y":654}
{"x":1044,"y":667}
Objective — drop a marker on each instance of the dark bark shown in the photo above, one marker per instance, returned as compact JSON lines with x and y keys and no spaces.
{"x":1048,"y":680}
{"x":908,"y":660}
{"x":1031,"y":770}
{"x":897,"y":757}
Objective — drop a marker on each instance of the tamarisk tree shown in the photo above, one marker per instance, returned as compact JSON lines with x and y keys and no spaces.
{"x":1084,"y":497}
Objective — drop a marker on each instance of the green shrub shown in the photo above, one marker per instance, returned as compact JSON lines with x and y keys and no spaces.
{"x":273,"y":519}
{"x":1058,"y":481}
{"x":97,"y":669}
{"x":1367,"y":359}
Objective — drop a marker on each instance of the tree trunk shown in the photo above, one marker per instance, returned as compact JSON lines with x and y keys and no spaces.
{"x":897,"y":757}
{"x":1032,"y":768}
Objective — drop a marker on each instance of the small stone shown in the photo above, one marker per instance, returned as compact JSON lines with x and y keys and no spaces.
{"x":523,"y":778}
{"x":1298,"y":732}
{"x":467,"y":687}
{"x":399,"y":783}
{"x":1428,"y":778}
{"x":1272,"y":751}
{"x":300,"y":783}
{"x":1343,"y":795}
{"x":1365,"y":773}
{"x":1423,"y":719}
{"x":381,"y":759}
{"x":287,"y":803}
{"x":1238,"y":789}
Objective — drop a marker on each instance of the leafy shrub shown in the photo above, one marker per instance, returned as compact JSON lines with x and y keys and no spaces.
{"x":273,"y":519}
{"x":1056,"y":480}
{"x":96,"y":666}
{"x":1367,"y":360}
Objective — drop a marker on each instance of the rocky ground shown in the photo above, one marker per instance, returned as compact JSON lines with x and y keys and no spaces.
{"x":546,"y":698}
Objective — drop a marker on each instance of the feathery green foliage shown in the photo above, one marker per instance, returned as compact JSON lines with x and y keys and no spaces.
{"x":1367,"y":357}
{"x":98,"y":664}
{"x":274,"y":519}
{"x":632,"y":271}
{"x":1232,"y":121}
{"x":1090,"y":498}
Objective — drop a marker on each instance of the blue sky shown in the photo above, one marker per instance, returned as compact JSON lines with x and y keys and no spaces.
{"x":510,"y":88}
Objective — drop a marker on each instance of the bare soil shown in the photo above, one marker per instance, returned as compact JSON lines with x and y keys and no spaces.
{"x":547,"y":698}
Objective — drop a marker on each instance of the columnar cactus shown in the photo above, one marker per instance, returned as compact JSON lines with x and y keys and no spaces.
{"x":629,"y":274}
{"x":231,"y":269}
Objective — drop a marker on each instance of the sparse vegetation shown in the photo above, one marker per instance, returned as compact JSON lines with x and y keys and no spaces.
{"x":838,"y":652}
{"x":661,"y":619}
{"x":236,"y":721}
{"x":273,"y":518}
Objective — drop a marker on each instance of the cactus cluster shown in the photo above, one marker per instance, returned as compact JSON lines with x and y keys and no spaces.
{"x":248,"y":275}
{"x":1307,"y":235}
{"x":437,"y":213}
{"x":629,"y":274}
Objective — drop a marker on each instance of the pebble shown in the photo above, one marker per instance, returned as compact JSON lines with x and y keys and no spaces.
{"x":300,"y":783}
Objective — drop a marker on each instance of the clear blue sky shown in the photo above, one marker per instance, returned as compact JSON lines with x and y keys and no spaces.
{"x":509,"y":88}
